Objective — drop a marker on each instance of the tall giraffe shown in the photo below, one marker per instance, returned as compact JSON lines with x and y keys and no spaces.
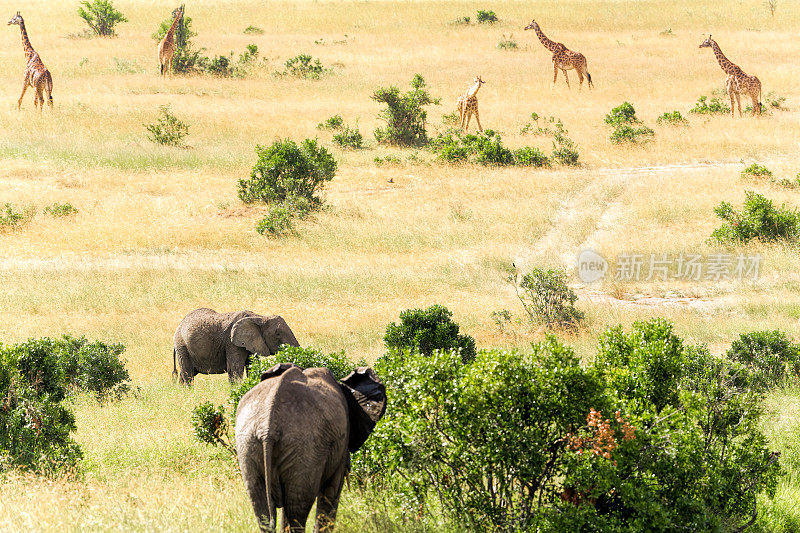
{"x":563,"y":58}
{"x":737,"y":81}
{"x":166,"y":48}
{"x":36,"y":74}
{"x":468,"y":104}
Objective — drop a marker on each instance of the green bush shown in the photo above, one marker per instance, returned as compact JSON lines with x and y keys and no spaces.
{"x":387,"y":160}
{"x":167,"y":129}
{"x":428,"y":330}
{"x":564,"y":149}
{"x":304,"y":66}
{"x":623,"y":119}
{"x":253,"y":30}
{"x":682,"y":448}
{"x":507,"y":43}
{"x":286,"y":170}
{"x":546,"y":297}
{"x":759,"y":219}
{"x":486,"y":17}
{"x":101,"y":16}
{"x":484,"y":148}
{"x":11,"y":217}
{"x":770,"y":355}
{"x":36,"y":378}
{"x":673,"y":118}
{"x":484,"y":437}
{"x":789,"y":183}
{"x":713,"y":107}
{"x":405,"y":114}
{"x":349,"y":138}
{"x":462,"y":21}
{"x":756,"y":171}
{"x":279,"y":221}
{"x":210,"y":424}
{"x":332,"y":123}
{"x":60,"y":210}
{"x":536,"y":129}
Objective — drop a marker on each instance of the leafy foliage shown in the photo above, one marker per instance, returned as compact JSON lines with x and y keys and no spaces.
{"x":349,"y":138}
{"x":60,"y":210}
{"x":758,"y":219}
{"x":756,"y":171}
{"x":484,"y":437}
{"x":279,"y":221}
{"x":673,"y":118}
{"x":507,"y":43}
{"x":546,"y":297}
{"x":304,"y":66}
{"x":627,"y":128}
{"x":486,"y":17}
{"x":622,"y":114}
{"x":11,"y":217}
{"x":36,"y":378}
{"x":713,"y":107}
{"x":484,"y":148}
{"x":285,"y":170}
{"x":564,"y":149}
{"x":168,"y":129}
{"x":428,"y":330}
{"x":404,"y":114}
{"x":101,"y":16}
{"x":770,"y":356}
{"x":253,"y":30}
{"x":336,"y":122}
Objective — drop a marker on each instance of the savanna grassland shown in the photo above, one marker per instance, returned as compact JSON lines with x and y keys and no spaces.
{"x":160,"y":231}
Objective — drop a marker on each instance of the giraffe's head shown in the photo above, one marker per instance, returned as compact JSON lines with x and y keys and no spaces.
{"x":16,"y":19}
{"x":178,"y":11}
{"x":478,"y":81}
{"x":706,"y":43}
{"x":531,"y":26}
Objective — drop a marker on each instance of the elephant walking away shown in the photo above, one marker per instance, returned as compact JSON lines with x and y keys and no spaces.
{"x":294,"y":434}
{"x":207,"y":342}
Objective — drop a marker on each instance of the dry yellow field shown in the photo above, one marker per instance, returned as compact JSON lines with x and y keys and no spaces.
{"x":160,"y":231}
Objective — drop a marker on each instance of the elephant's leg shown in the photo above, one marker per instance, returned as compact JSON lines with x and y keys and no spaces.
{"x":185,"y":367}
{"x":255,"y":483}
{"x":328,"y":501}
{"x":236,"y":362}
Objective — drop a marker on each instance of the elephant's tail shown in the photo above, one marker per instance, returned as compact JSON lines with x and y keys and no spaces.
{"x":267,"y":445}
{"x":174,"y":367}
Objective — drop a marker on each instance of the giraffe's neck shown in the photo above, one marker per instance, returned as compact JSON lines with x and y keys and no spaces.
{"x":171,"y":30}
{"x":26,"y":43}
{"x":472,"y":91}
{"x":550,"y":45}
{"x":727,"y":66}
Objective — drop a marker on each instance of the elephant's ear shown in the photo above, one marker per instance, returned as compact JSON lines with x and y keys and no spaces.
{"x":366,"y":403}
{"x":246,"y":333}
{"x":277,"y":370}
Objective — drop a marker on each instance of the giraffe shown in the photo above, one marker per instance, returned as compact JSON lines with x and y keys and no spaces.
{"x":563,"y":58}
{"x":468,"y":104}
{"x":36,"y":74}
{"x":737,"y":81}
{"x":166,"y":48}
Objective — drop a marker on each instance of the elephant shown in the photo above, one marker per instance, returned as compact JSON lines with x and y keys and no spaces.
{"x":295,"y":431}
{"x":207,"y":342}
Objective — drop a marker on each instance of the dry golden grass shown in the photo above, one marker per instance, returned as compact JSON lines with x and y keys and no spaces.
{"x":160,"y":231}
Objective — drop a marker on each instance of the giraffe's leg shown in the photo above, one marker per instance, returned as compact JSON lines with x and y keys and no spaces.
{"x":566,"y":78}
{"x":739,"y":103}
{"x":733,"y":109}
{"x":478,"y":119}
{"x":24,"y":88}
{"x":580,"y":78}
{"x":469,"y":117}
{"x":39,"y":98}
{"x":555,"y":74}
{"x":756,"y":103}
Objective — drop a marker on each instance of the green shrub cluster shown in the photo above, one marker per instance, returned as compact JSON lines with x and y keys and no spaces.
{"x":485,"y":148}
{"x":289,"y":178}
{"x":167,"y":130}
{"x":253,"y":30}
{"x":673,"y":118}
{"x":58,"y":209}
{"x":11,"y":217}
{"x":758,"y":219}
{"x":304,"y":66}
{"x":486,"y":17}
{"x":426,"y":331}
{"x":713,"y":107}
{"x":404,"y":114}
{"x":507,"y":43}
{"x":536,"y":129}
{"x":349,"y":138}
{"x":627,"y":128}
{"x":36,"y":377}
{"x":565,"y":151}
{"x":546,"y":297}
{"x":756,"y":171}
{"x":654,"y":435}
{"x":770,"y":356}
{"x":101,"y":16}
{"x":461,"y":21}
{"x":336,"y":122}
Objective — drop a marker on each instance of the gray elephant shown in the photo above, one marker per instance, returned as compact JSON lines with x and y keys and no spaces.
{"x":294,"y":434}
{"x":207,"y":342}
